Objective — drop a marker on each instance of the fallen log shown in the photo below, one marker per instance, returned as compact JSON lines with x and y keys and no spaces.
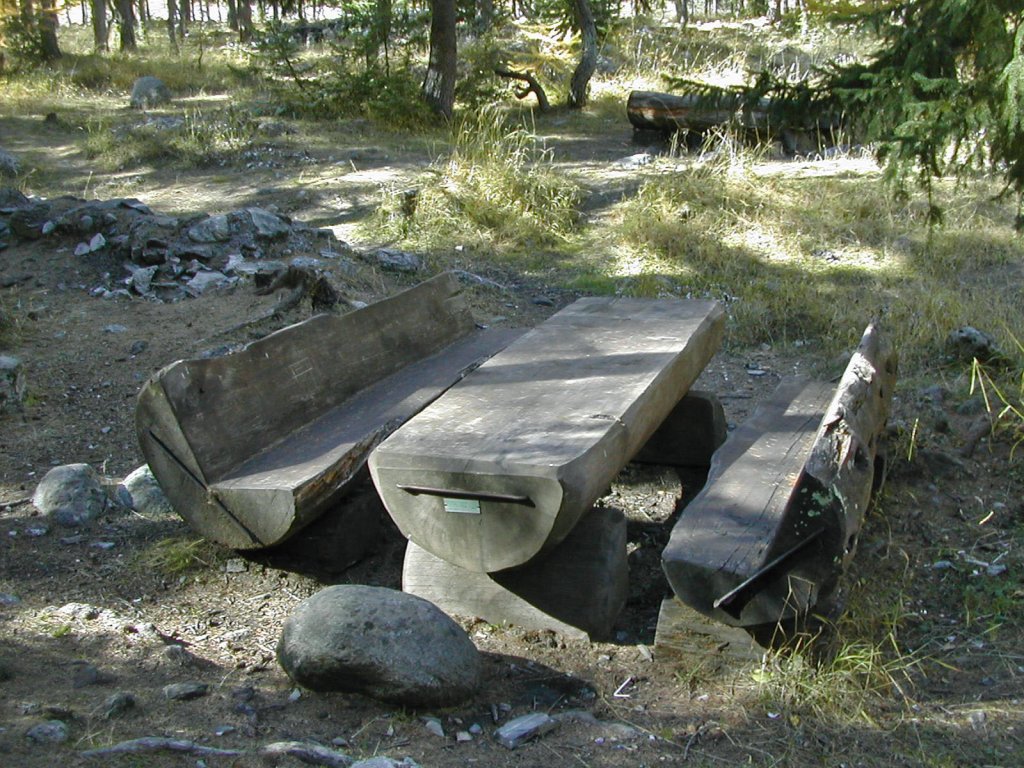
{"x":698,"y":113}
{"x":774,"y":527}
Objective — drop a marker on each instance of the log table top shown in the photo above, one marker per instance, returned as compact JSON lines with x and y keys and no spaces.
{"x":502,"y":465}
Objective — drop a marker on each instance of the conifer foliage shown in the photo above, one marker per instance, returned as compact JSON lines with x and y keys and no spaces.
{"x":945,"y":91}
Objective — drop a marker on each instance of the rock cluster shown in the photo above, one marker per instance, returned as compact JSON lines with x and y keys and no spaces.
{"x":170,"y":258}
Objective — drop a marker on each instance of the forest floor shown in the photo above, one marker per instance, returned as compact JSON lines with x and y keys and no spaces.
{"x":933,"y":672}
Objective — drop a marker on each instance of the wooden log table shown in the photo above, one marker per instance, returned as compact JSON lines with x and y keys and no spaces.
{"x":252,"y":446}
{"x":502,"y":466}
{"x":767,"y":538}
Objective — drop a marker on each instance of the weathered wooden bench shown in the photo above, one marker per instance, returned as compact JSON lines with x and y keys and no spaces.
{"x":252,"y":446}
{"x":502,"y":466}
{"x":769,"y":535}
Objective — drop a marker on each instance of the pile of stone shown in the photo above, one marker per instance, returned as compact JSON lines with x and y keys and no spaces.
{"x":169,"y":258}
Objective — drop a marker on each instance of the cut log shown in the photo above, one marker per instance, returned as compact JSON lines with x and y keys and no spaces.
{"x":576,"y":589}
{"x":690,"y":434}
{"x":684,"y":632}
{"x":774,"y":527}
{"x":503,"y":465}
{"x":252,"y":446}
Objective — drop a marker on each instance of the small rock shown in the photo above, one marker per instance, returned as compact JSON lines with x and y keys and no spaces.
{"x":433,"y":725}
{"x":386,"y":644}
{"x":463,"y":736}
{"x":224,"y":730}
{"x":87,"y":675}
{"x":115,"y":328}
{"x":397,"y":261}
{"x":12,"y":384}
{"x":185,"y":691}
{"x":6,"y":598}
{"x":636,"y":161}
{"x":978,"y":720}
{"x":268,"y":226}
{"x":235,"y":565}
{"x":205,"y":281}
{"x":71,"y":495}
{"x":149,"y":92}
{"x":97,"y":242}
{"x":967,"y":343}
{"x":118,"y":704}
{"x":942,"y":565}
{"x":50,"y":732}
{"x":145,"y":494}
{"x":543,"y":301}
{"x":520,"y":730}
{"x":9,"y":164}
{"x":214,"y":229}
{"x":138,"y":347}
{"x":179,"y":655}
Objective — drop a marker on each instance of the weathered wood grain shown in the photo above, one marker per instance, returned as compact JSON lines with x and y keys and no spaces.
{"x":778,"y":520}
{"x":503,"y":465}
{"x":686,"y":633}
{"x":252,"y":446}
{"x":577,"y":589}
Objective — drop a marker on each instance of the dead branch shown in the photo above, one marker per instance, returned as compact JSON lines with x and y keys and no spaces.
{"x":532,"y":86}
{"x":160,"y":744}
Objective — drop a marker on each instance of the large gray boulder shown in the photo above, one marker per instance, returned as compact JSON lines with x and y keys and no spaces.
{"x":149,"y":92}
{"x":386,"y":644}
{"x":71,"y":495}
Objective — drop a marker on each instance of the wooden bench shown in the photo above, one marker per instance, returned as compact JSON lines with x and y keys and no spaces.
{"x":252,"y":446}
{"x":769,"y":535}
{"x":502,"y":466}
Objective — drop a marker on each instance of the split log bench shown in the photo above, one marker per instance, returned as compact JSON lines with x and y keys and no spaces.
{"x":498,"y":471}
{"x":769,"y":535}
{"x":252,"y":446}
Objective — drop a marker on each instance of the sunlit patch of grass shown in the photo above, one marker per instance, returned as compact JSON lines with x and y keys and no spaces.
{"x":176,"y":556}
{"x":815,"y":258}
{"x":497,"y":188}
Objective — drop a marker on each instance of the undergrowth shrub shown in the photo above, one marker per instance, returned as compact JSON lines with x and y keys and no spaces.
{"x":196,"y":139}
{"x":497,"y":187}
{"x":344,"y":82}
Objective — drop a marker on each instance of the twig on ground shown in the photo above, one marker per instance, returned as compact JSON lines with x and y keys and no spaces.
{"x":160,"y":744}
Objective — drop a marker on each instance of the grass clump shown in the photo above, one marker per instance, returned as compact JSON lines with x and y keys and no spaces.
{"x":176,"y":556}
{"x":497,"y":188}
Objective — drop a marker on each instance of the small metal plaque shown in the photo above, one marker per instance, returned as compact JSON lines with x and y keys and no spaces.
{"x":462,"y":506}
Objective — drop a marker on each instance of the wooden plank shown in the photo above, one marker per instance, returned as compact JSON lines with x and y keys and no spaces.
{"x":503,"y":465}
{"x":231,"y":407}
{"x":690,"y":434}
{"x":288,"y":466}
{"x":684,"y":632}
{"x":769,"y":535}
{"x":577,"y":589}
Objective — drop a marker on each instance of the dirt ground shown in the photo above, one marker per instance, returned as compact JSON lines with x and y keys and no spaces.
{"x":87,"y":614}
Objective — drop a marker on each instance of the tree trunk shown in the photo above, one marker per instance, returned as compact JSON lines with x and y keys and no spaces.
{"x":682,"y":12}
{"x":439,"y":84}
{"x":243,"y":9}
{"x":126,"y":9}
{"x":232,"y":15}
{"x":380,"y":32}
{"x":171,"y":15}
{"x":48,"y":30}
{"x":485,"y":15}
{"x":99,"y":24}
{"x":578,"y":86}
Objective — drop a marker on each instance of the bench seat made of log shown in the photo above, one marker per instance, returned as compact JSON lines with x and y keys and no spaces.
{"x":777,"y":521}
{"x":502,"y":466}
{"x":252,"y":446}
